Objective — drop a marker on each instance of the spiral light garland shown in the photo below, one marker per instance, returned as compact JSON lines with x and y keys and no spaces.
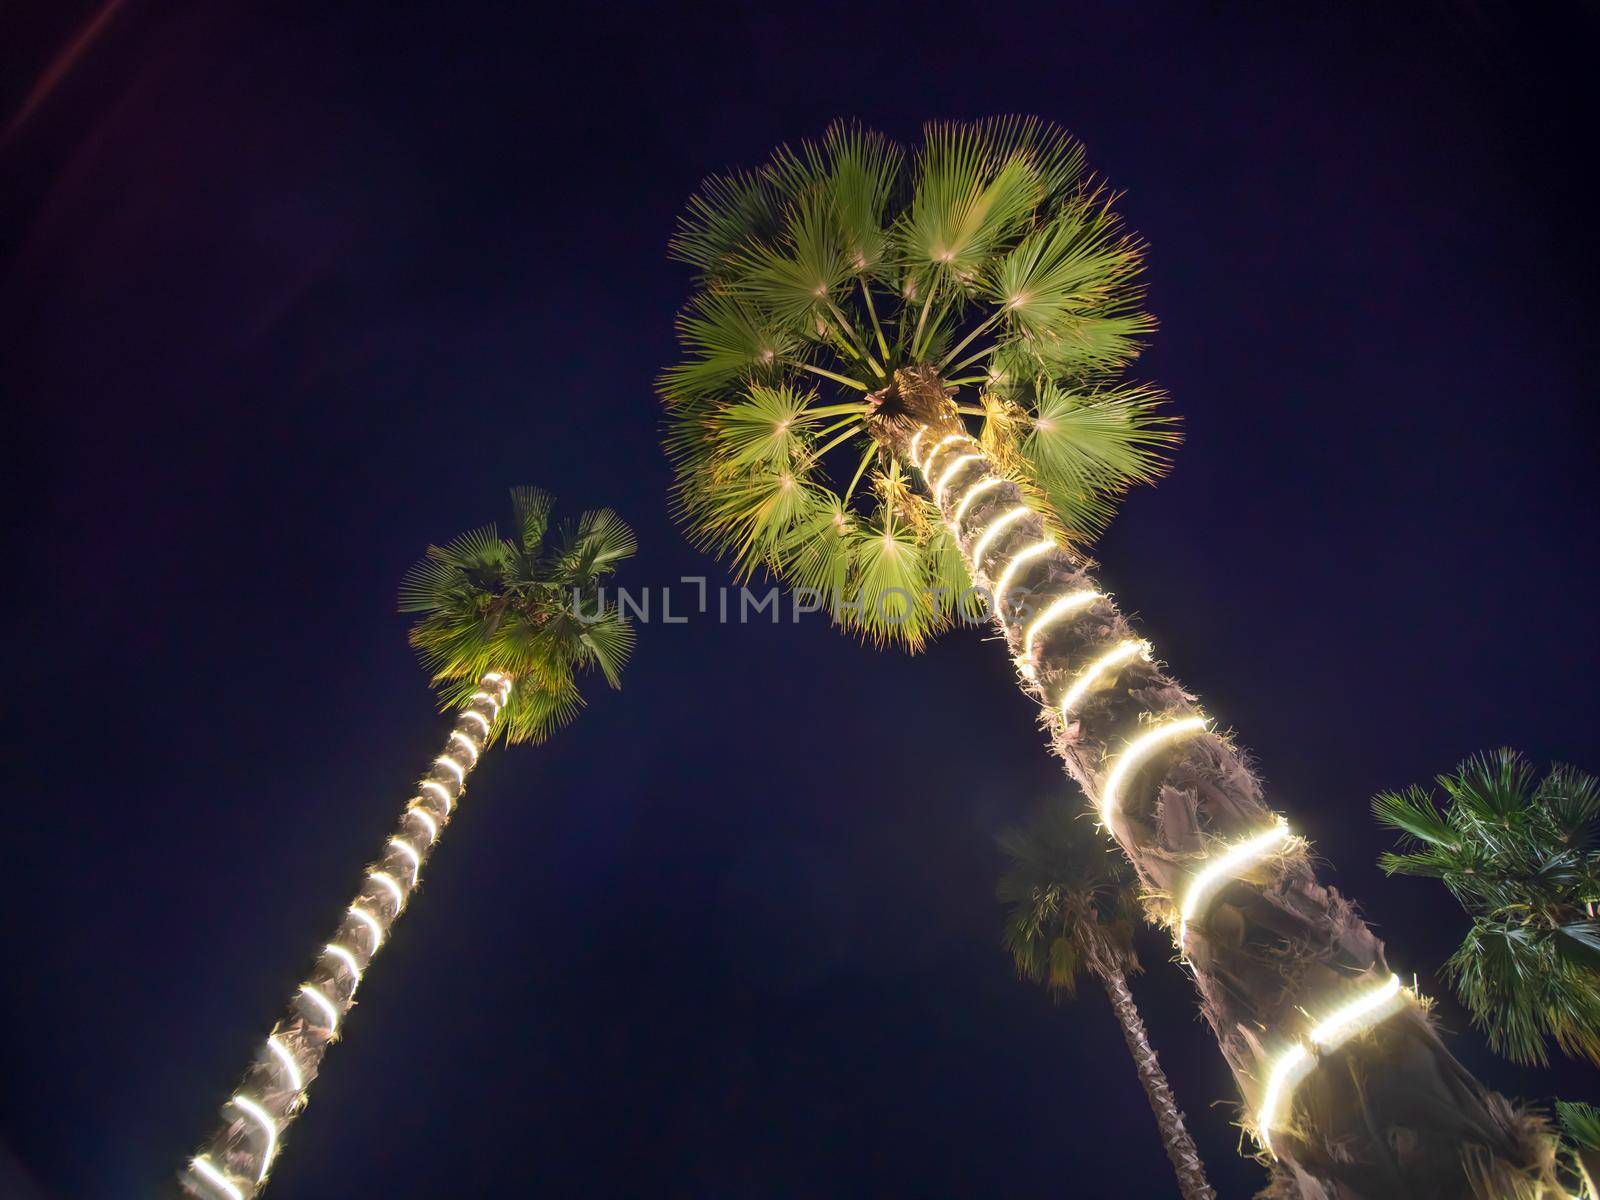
{"x":1291,"y":1065}
{"x":234,"y":1164}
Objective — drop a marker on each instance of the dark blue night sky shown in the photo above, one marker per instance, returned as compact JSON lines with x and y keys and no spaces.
{"x":291,"y":290}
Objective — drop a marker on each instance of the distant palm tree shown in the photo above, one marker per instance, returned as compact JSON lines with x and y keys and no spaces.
{"x":1523,"y":858}
{"x":900,"y":382}
{"x":1070,"y":909}
{"x":500,"y":630}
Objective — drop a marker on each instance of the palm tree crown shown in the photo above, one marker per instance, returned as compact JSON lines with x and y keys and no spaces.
{"x":1070,"y":905}
{"x":989,"y":256}
{"x":1523,"y":858}
{"x":525,"y":605}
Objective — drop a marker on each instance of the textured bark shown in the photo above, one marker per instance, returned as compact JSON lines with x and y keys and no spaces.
{"x":238,"y":1147}
{"x":1175,"y":1137}
{"x":1389,"y":1114}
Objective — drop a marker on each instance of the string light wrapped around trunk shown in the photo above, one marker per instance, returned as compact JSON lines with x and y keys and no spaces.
{"x":1003,"y":544}
{"x":234,"y":1163}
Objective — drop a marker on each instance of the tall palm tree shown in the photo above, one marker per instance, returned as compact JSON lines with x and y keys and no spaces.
{"x":1523,"y":858}
{"x":506,"y":625}
{"x":899,"y":381}
{"x":1071,"y":909}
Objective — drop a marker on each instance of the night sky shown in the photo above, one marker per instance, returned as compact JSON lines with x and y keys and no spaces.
{"x":292,"y":290}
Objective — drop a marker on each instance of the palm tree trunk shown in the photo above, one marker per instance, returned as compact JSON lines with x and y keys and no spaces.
{"x":1358,"y":1100}
{"x":233,"y":1164}
{"x":1175,"y":1137}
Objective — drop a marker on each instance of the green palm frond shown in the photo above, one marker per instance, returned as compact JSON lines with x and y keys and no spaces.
{"x":1515,"y":854}
{"x":1579,"y":1122}
{"x":729,"y":343}
{"x":1412,"y":812}
{"x":987,"y":254}
{"x":726,"y":215}
{"x":530,"y":509}
{"x":1065,"y":270}
{"x":488,"y":603}
{"x":1068,"y":900}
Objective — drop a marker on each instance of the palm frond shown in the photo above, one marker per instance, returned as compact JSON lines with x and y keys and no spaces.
{"x":1528,"y":968}
{"x":987,"y":254}
{"x":486,"y":604}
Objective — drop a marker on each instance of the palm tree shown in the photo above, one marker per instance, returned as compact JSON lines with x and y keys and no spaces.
{"x":501,"y":632}
{"x":1070,"y":909}
{"x":949,"y":328}
{"x":1523,"y":858}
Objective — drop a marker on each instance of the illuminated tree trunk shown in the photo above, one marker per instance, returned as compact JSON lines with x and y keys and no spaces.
{"x":1345,"y":1082}
{"x":233,"y":1164}
{"x":1175,"y":1137}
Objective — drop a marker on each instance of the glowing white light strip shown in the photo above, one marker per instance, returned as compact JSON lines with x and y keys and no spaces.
{"x":371,"y":922}
{"x":994,"y":529}
{"x":411,"y":854}
{"x":444,"y":760}
{"x":387,"y":881}
{"x":1292,"y":1066}
{"x":429,"y":822}
{"x":493,"y":675}
{"x":1230,"y":863}
{"x":911,"y":450}
{"x":950,"y":472}
{"x":268,"y":1127}
{"x":1020,"y":560}
{"x":1134,"y":755}
{"x":466,"y":744}
{"x":290,"y":1067}
{"x":483,"y":696}
{"x":443,"y":793}
{"x":1090,"y":675}
{"x":1356,"y":1017}
{"x":972,"y":493}
{"x":324,"y":1004}
{"x":927,"y":462}
{"x":215,"y":1178}
{"x":344,"y":956}
{"x":468,"y":714}
{"x":1058,"y":608}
